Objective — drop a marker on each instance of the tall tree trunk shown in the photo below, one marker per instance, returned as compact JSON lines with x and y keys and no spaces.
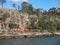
{"x":2,"y":3}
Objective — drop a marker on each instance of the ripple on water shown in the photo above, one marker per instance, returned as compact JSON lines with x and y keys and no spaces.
{"x":32,"y":41}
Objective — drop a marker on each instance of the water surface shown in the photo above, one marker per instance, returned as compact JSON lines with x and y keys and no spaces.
{"x":32,"y":41}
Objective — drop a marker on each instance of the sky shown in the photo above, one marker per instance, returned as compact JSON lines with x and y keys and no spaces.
{"x":44,"y":4}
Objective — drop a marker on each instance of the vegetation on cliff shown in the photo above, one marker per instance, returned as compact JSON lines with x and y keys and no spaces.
{"x":47,"y":20}
{"x":41,"y":20}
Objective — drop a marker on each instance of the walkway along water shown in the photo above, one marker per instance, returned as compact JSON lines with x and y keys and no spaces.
{"x":28,"y":34}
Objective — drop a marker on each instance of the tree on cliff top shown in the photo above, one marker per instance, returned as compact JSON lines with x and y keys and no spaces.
{"x":14,"y":6}
{"x":24,"y":7}
{"x":2,"y":2}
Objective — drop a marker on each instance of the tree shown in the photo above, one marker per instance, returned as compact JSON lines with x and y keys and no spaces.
{"x":14,"y":6}
{"x":30,"y":9}
{"x":25,"y":7}
{"x":46,"y":23}
{"x":19,"y":8}
{"x":2,"y":2}
{"x":37,"y":12}
{"x":52,"y":11}
{"x":58,"y":27}
{"x":58,"y":12}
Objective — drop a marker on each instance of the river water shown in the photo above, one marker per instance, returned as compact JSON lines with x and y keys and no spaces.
{"x":32,"y":41}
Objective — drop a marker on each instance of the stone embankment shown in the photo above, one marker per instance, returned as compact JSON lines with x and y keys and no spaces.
{"x":28,"y":35}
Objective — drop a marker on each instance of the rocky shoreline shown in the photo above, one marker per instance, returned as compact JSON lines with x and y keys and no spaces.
{"x":28,"y":35}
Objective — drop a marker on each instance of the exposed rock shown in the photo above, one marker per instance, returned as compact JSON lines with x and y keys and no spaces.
{"x":13,"y":16}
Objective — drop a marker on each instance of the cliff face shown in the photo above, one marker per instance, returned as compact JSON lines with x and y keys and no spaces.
{"x":6,"y":13}
{"x":12,"y":16}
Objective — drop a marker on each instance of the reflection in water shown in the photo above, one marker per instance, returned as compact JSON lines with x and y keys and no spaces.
{"x":31,"y":41}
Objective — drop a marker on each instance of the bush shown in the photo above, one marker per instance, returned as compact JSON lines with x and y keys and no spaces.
{"x":11,"y":25}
